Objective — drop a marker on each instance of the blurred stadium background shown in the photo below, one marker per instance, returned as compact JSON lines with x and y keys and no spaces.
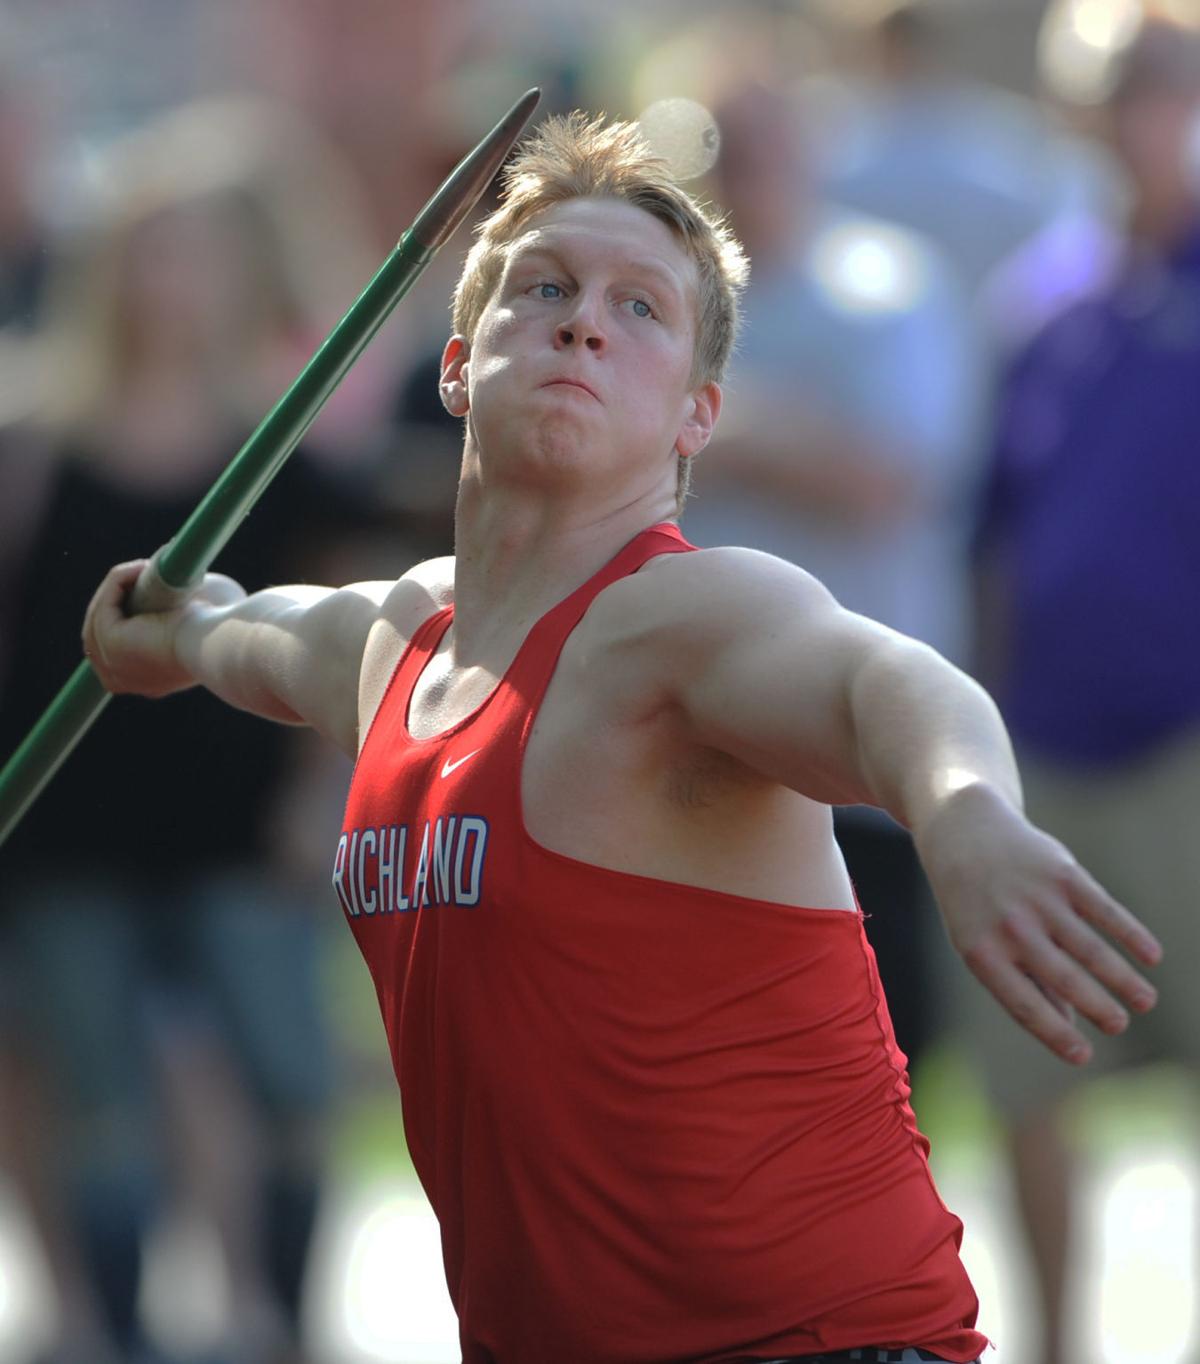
{"x":400,"y":88}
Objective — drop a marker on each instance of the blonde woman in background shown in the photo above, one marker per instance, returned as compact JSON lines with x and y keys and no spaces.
{"x":184,"y":936}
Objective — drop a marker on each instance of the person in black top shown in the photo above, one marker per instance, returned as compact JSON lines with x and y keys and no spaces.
{"x":151,"y":870}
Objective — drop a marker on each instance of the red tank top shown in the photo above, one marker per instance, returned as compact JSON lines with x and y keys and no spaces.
{"x":655,"y":1122}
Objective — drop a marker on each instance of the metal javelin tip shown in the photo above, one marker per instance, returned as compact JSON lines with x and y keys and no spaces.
{"x":467,"y":181}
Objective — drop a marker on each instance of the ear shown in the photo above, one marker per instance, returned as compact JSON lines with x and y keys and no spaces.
{"x":704,"y":409}
{"x":453,"y":383}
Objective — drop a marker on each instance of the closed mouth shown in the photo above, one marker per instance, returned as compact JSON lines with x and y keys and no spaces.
{"x":571,"y":383}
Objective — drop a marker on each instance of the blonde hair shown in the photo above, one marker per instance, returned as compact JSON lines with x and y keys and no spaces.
{"x":574,"y":157}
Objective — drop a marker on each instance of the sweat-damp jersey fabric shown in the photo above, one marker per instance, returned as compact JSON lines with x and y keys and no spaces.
{"x":655,"y":1122}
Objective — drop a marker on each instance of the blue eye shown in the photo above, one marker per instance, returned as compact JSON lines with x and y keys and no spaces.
{"x":556,"y":291}
{"x":641,"y":308}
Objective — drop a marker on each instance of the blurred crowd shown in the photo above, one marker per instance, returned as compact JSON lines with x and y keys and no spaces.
{"x":965,"y":399}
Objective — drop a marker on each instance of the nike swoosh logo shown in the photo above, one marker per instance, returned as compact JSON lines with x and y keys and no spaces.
{"x":448,"y":766}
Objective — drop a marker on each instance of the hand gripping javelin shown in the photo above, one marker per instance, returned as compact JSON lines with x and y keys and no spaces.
{"x":177,"y":569}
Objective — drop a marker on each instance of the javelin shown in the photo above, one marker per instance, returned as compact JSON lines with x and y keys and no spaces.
{"x":177,"y":569}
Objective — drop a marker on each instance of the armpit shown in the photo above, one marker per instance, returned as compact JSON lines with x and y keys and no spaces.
{"x":703,"y":776}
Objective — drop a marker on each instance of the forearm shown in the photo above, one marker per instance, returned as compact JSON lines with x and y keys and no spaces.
{"x":1028,"y":920}
{"x":924,"y":731}
{"x":289,"y":653}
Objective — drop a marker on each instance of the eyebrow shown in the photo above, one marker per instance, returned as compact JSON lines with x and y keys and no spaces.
{"x":667,"y":280}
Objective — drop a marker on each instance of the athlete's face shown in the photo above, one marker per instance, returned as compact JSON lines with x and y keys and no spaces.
{"x":580,"y":369}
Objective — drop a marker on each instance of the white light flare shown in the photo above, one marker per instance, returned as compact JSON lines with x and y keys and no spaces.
{"x":1147,"y":1292}
{"x":395,"y":1303}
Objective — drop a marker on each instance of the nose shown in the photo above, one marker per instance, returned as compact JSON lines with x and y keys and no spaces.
{"x":581,"y":326}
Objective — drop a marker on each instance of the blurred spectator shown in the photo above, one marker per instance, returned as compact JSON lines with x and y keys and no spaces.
{"x":1072,"y":256}
{"x":975,"y":169}
{"x":23,"y":245}
{"x":154,"y":919}
{"x":1080,"y":246}
{"x":846,"y":446}
{"x":1092,"y":570}
{"x":383,"y":81}
{"x":371,"y":74}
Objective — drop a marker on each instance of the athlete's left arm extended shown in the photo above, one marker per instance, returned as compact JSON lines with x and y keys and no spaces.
{"x":768,"y":667}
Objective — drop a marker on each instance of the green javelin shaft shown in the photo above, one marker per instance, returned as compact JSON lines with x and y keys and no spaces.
{"x":177,"y":569}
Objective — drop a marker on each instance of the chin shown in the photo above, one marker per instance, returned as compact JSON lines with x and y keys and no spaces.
{"x":560,"y":447}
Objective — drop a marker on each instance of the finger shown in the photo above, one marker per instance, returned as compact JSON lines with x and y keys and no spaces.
{"x":107,"y":598}
{"x":1030,"y":1007}
{"x":120,"y":578}
{"x":105,"y":613}
{"x":1067,"y":1010}
{"x":1056,"y":973}
{"x":1093,"y":903}
{"x":1103,"y":961}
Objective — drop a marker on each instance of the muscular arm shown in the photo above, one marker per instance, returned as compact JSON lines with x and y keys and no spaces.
{"x":841,"y":709}
{"x":291,"y":654}
{"x":766,"y":666}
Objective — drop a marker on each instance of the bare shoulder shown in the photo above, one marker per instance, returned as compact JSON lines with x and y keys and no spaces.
{"x":435,"y":577}
{"x":713,"y":644}
{"x":700,"y":599}
{"x":427,"y":587}
{"x":749,"y":656}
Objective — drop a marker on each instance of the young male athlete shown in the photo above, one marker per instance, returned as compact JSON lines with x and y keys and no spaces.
{"x":648,"y":1077}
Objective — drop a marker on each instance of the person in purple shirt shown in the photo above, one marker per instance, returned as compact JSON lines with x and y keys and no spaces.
{"x":1090,"y":564}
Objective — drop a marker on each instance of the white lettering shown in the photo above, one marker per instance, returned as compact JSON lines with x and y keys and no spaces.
{"x":442,"y":848}
{"x":351,"y":859}
{"x":420,"y":887}
{"x":369,"y":870}
{"x":402,"y":902}
{"x":339,"y":875}
{"x":470,"y":825}
{"x":368,"y":903}
{"x":387,"y":868}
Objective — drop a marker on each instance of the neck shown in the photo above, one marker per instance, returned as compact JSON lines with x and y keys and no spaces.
{"x":519,"y":551}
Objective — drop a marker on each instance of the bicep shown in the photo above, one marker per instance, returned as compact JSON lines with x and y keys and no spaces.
{"x":352,"y":640}
{"x":319,"y":657}
{"x":768,"y":677}
{"x":290,"y":654}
